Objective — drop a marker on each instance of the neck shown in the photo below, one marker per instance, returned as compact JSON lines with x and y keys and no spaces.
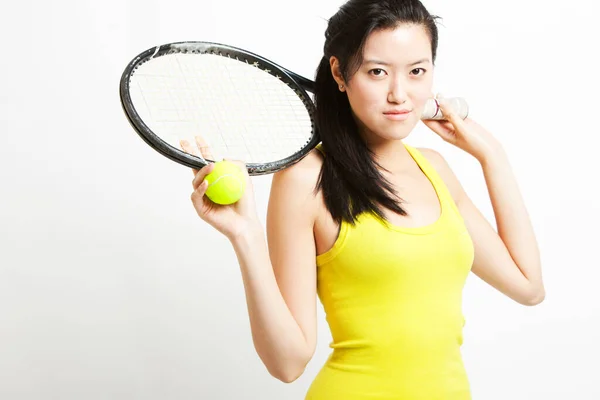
{"x":391,"y":154}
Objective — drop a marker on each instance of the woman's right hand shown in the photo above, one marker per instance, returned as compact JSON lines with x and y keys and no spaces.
{"x":231,"y":220}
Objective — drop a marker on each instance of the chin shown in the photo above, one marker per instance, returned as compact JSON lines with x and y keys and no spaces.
{"x":401,"y":135}
{"x":389,"y":130}
{"x":397,"y":132}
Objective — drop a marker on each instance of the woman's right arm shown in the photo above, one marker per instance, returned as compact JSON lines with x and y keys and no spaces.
{"x":280,"y":277}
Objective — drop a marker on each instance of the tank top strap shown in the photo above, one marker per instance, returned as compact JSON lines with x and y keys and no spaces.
{"x":320,"y":148}
{"x":436,"y":180}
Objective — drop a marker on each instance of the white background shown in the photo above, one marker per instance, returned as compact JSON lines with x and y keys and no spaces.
{"x":111,"y":287}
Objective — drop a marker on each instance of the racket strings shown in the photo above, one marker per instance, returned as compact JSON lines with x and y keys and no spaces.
{"x":239,"y":110}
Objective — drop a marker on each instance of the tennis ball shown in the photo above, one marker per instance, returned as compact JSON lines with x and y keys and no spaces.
{"x":226,"y":183}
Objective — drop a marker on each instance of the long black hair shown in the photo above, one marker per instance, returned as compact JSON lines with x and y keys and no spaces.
{"x":349,"y":178}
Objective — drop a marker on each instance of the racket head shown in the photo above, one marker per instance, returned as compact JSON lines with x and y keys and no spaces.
{"x":272,"y":75}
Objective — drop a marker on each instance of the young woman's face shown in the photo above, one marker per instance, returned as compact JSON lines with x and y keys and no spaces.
{"x":388,"y":91}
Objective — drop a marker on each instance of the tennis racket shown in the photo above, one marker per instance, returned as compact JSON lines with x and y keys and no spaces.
{"x":244,"y":106}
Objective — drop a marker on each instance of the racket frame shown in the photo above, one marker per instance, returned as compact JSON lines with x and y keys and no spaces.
{"x":297,"y":83}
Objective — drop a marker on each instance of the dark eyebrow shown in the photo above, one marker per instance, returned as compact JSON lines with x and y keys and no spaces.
{"x":387,"y":64}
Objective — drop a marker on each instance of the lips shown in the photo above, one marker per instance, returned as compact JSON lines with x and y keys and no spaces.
{"x":397,"y":115}
{"x":397,"y":112}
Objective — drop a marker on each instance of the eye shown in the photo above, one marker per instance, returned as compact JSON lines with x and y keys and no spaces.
{"x":377,"y":72}
{"x":417,"y":69}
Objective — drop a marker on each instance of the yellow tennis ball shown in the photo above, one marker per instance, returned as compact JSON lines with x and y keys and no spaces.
{"x":226,"y":183}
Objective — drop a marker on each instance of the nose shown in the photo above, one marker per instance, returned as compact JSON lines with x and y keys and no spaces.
{"x":397,"y":91}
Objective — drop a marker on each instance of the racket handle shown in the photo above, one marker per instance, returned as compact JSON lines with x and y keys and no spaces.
{"x":433,"y":111}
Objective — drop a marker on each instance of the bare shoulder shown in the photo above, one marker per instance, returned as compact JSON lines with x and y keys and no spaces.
{"x":444,"y":170}
{"x":435,"y":158}
{"x":296,"y":184}
{"x":304,"y":171}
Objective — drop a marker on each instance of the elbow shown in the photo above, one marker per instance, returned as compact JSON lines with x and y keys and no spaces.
{"x":287,"y":371}
{"x":287,"y":376}
{"x":535,"y":298}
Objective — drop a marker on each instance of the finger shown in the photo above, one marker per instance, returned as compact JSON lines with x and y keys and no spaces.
{"x":204,"y":148}
{"x":447,"y":126}
{"x":450,"y":114}
{"x":443,"y":129}
{"x":188,"y":148}
{"x":440,"y":126}
{"x":200,"y":176}
{"x":199,"y":192}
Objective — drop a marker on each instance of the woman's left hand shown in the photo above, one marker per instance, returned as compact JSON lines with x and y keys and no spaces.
{"x":465,"y":134}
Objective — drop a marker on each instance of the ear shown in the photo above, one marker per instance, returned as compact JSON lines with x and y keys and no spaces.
{"x":337,"y":75}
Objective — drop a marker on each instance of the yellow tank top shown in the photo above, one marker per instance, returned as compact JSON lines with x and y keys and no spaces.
{"x":393,"y":301}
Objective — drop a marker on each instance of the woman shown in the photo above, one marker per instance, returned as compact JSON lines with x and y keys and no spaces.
{"x":381,"y":231}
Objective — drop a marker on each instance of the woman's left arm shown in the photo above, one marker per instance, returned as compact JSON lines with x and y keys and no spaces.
{"x":509,"y":259}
